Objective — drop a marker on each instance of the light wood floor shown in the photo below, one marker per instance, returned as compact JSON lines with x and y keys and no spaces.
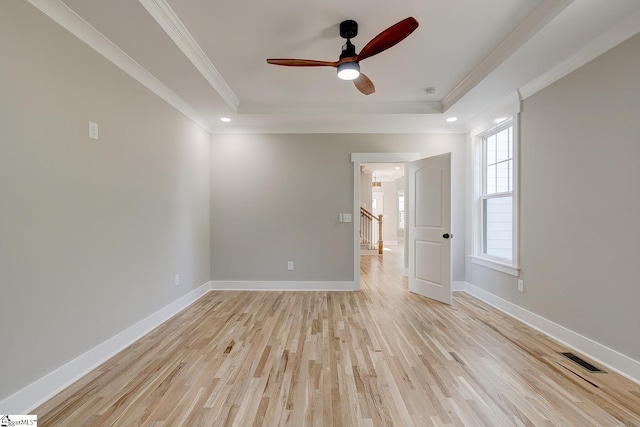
{"x":381,"y":356}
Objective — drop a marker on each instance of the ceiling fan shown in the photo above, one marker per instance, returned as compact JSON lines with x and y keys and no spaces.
{"x":349,"y":63}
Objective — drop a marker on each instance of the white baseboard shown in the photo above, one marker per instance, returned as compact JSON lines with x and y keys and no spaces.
{"x":225,"y":285}
{"x":605,"y":356}
{"x":458,"y":286}
{"x":38,"y":392}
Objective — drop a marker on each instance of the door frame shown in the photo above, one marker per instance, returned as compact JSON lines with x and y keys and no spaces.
{"x":357,"y":159}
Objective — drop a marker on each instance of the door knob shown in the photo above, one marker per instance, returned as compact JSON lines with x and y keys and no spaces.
{"x":447,"y":235}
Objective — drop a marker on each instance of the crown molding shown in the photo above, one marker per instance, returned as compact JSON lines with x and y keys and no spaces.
{"x":72,"y":22}
{"x":345,"y":108}
{"x":175,"y":29}
{"x":533,"y":23}
{"x":601,"y":44}
{"x":374,"y":127}
{"x":508,"y":106}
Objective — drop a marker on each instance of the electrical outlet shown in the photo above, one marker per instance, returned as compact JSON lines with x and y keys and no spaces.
{"x":521,"y":285}
{"x":177,"y":280}
{"x":290,"y":266}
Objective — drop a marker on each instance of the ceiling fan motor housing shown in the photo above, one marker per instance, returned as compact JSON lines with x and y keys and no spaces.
{"x":348,"y":30}
{"x":348,"y":50}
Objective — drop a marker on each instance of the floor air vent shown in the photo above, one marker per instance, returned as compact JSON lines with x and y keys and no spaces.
{"x":586,"y":365}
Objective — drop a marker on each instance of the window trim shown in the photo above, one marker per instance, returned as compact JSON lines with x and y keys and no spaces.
{"x":477,"y":256}
{"x":494,"y":264}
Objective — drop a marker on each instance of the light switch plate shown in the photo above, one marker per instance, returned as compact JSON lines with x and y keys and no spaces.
{"x":93,"y":130}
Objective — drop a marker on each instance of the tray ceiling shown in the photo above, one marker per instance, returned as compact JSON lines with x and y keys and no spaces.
{"x":208,"y":58}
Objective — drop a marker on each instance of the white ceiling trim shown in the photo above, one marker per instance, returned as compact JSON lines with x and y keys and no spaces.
{"x":175,"y":29}
{"x":509,"y":106}
{"x":533,"y":23}
{"x":418,"y":107}
{"x":336,"y":128}
{"x":76,"y":25}
{"x":606,"y":41}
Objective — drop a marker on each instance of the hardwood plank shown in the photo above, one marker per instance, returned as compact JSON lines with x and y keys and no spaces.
{"x":378,"y":357}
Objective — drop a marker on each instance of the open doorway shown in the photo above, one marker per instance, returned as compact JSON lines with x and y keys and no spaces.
{"x":382,"y":188}
{"x":358,"y":160}
{"x":427,"y":213}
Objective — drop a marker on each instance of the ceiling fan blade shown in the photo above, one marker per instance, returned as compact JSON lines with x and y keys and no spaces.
{"x":389,"y":37}
{"x":364,"y":84}
{"x":301,"y":62}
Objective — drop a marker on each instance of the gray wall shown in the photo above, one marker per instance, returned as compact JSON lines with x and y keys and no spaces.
{"x":580,"y":203}
{"x":366,"y":190}
{"x":91,"y":232}
{"x":390,"y":230}
{"x":276,"y":197}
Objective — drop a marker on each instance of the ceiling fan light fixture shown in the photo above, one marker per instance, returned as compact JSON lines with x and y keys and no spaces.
{"x":348,"y":70}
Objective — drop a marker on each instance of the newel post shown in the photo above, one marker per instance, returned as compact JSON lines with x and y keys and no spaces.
{"x":380,"y":234}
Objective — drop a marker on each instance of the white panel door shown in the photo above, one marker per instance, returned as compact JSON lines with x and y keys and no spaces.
{"x":429,"y":227}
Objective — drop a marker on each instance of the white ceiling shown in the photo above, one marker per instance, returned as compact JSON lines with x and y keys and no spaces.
{"x":208,"y":57}
{"x":383,"y":172}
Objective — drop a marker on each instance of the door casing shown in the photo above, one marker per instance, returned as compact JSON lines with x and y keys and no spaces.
{"x":358,"y":159}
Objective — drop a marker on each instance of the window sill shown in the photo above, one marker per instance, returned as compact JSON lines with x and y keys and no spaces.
{"x":496,"y":265}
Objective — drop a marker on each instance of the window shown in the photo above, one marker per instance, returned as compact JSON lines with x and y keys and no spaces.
{"x":495,"y":214}
{"x":401,"y":210}
{"x":497,"y":188}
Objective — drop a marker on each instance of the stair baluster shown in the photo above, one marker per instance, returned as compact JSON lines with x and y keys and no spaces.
{"x":369,"y":233}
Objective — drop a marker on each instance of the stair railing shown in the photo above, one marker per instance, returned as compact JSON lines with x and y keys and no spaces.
{"x":371,"y":229}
